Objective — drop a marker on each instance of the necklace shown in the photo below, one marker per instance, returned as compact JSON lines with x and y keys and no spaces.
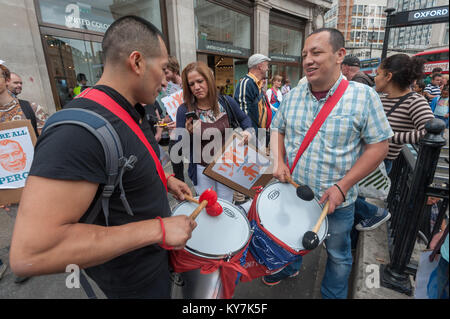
{"x":8,"y":106}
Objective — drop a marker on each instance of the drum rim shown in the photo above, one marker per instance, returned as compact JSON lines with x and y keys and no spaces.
{"x":213,"y":256}
{"x":325,"y":221}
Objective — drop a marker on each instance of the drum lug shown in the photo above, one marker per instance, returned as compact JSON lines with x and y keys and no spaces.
{"x":228,"y":257}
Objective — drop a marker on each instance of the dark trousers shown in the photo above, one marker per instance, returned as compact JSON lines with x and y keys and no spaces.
{"x":178,"y":168}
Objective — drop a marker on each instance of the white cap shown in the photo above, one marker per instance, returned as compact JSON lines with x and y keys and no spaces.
{"x":256,"y":59}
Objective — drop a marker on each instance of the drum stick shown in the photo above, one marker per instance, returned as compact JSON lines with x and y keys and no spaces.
{"x":303,"y":192}
{"x":310,"y":238}
{"x":322,"y":217}
{"x":290,"y":181}
{"x":198,"y":209}
{"x":191,"y":199}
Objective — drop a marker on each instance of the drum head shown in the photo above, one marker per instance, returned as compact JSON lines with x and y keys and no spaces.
{"x":288,"y":217}
{"x":216,"y":237}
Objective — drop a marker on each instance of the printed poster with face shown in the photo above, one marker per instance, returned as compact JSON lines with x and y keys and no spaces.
{"x":17,"y":139}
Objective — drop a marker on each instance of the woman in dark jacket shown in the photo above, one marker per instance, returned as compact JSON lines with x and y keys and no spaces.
{"x":212,"y":113}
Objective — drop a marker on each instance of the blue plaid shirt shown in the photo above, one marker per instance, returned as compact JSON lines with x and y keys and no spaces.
{"x":358,"y":118}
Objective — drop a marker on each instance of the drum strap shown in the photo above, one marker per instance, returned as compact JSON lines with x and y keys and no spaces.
{"x":321,"y":117}
{"x":107,"y":102}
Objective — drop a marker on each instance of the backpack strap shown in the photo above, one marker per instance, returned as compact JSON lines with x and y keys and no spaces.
{"x":116,"y":163}
{"x":232,"y":118}
{"x":400,"y":101}
{"x":29,"y":114}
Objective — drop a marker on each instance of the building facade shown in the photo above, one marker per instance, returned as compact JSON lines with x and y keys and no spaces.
{"x":50,"y":42}
{"x":363,"y":21}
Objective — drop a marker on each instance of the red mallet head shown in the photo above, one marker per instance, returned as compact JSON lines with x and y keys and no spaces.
{"x":210,"y":196}
{"x":214,"y":210}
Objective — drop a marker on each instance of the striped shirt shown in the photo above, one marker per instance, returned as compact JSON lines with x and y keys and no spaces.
{"x":356,"y":119}
{"x":433,"y":89}
{"x":407,"y":121}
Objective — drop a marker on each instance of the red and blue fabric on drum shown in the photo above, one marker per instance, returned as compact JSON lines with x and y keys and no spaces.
{"x":230,"y":270}
{"x":267,"y":254}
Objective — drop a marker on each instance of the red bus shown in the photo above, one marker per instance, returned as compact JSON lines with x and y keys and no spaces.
{"x":435,"y":59}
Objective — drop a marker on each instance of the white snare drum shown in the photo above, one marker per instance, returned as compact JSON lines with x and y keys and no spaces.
{"x":287,"y":216}
{"x":216,"y":237}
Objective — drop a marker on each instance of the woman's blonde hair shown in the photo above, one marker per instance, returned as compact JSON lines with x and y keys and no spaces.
{"x":276,"y":78}
{"x":206,"y":73}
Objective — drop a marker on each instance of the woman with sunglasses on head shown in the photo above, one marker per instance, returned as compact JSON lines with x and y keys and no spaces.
{"x":407,"y":113}
{"x":204,"y":109}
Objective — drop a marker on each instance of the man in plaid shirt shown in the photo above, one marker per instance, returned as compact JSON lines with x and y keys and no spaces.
{"x":350,"y":144}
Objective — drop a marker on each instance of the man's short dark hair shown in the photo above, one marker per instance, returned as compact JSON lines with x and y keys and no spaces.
{"x":128,"y":34}
{"x":437,"y":70}
{"x":337,"y":40}
{"x":436,"y":75}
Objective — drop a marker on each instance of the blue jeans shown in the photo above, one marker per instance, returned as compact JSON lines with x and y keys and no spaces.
{"x":442,"y":279}
{"x":339,"y":262}
{"x":365,"y":210}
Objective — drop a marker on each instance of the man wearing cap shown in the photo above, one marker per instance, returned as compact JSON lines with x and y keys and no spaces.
{"x":351,"y":70}
{"x":250,"y":94}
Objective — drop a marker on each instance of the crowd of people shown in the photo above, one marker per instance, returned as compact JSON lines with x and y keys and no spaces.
{"x":369,"y":124}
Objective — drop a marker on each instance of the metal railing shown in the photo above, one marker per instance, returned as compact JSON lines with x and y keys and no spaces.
{"x":412,"y":178}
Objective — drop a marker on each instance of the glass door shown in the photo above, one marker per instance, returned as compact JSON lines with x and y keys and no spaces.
{"x":72,"y":63}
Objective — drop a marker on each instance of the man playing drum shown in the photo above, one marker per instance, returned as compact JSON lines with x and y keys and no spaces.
{"x":350,"y":144}
{"x":68,"y":168}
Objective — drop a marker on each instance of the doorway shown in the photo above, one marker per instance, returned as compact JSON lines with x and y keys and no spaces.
{"x":67,"y":58}
{"x":225,"y":68}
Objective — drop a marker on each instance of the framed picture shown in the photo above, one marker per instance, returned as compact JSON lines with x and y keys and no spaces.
{"x":17,"y":140}
{"x":240,"y":166}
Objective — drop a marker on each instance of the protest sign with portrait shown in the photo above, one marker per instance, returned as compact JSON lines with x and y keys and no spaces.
{"x":17,"y":140}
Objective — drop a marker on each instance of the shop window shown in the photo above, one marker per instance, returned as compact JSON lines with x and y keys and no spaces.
{"x":222,"y":30}
{"x":97,"y":16}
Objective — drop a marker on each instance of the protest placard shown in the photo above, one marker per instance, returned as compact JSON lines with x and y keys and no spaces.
{"x":172,"y":102}
{"x":17,"y":140}
{"x":240,"y":166}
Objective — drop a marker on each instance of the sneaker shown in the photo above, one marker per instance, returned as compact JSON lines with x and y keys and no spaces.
{"x":19,"y":280}
{"x":381,"y":217}
{"x":269,"y":283}
{"x":3,"y":268}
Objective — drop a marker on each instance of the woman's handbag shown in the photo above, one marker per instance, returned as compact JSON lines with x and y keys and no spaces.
{"x":376,"y":185}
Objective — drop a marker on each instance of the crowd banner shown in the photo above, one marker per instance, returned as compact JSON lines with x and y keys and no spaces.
{"x":17,"y":140}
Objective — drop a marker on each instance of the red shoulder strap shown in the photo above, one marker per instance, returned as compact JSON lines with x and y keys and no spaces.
{"x":321,"y":117}
{"x":108,"y":103}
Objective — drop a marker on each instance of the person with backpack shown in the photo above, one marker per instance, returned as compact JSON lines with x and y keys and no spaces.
{"x":125,"y":249}
{"x":407,"y":113}
{"x":205,"y":109}
{"x":274,"y":94}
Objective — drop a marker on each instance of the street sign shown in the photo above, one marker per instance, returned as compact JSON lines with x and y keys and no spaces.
{"x":418,"y":17}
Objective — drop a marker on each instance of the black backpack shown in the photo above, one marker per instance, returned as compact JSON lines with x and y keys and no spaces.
{"x":116,"y":165}
{"x":116,"y":162}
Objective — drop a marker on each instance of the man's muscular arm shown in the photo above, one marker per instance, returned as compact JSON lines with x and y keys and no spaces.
{"x":47,"y":235}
